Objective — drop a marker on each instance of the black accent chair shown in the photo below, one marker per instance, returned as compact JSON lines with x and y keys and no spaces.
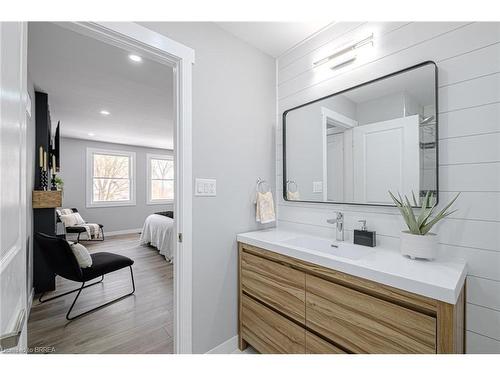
{"x":61,"y":260}
{"x":79,"y":229}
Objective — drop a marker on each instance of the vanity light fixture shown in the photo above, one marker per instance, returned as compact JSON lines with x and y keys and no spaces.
{"x":345,"y":49}
{"x":135,"y":58}
{"x":104,"y":112}
{"x":343,"y":60}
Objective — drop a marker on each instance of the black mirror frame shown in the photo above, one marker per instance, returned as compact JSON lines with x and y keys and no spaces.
{"x":429,"y":62}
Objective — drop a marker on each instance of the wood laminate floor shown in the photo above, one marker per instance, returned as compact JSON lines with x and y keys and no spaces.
{"x":141,"y":323}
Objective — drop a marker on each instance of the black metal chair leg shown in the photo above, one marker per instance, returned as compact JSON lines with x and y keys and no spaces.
{"x":74,"y":301}
{"x":71,"y":291}
{"x":103,"y":305}
{"x":132,"y":276}
{"x":78,"y":238}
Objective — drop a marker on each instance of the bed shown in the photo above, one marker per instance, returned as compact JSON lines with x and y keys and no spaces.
{"x":158,"y":231}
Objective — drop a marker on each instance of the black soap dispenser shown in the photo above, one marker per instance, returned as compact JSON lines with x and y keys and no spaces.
{"x":365,"y":237}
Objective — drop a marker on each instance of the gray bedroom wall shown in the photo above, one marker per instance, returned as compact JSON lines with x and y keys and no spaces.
{"x":233,"y":141}
{"x":73,"y":172}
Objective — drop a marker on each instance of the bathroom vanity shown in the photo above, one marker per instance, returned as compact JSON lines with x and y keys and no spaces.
{"x":304,"y":294}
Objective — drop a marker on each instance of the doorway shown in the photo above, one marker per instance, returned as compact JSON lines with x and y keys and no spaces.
{"x":180,"y":58}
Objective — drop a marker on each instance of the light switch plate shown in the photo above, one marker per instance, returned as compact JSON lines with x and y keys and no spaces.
{"x":205,"y":187}
{"x":317,"y":186}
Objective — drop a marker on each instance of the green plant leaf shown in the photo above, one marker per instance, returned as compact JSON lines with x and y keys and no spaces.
{"x":399,"y":205}
{"x":398,"y":202}
{"x":421,"y":225}
{"x":440,"y":215}
{"x":425,"y":212}
{"x":413,"y":226}
{"x":434,"y":221}
{"x":428,"y":197}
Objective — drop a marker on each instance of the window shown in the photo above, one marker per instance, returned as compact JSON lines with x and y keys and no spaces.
{"x":110,"y":178}
{"x":160,"y":179}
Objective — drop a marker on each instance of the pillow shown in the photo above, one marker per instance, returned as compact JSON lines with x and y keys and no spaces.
{"x":82,"y":255}
{"x":68,"y":220}
{"x":79,"y":219}
{"x":169,"y":214}
{"x":71,"y":220}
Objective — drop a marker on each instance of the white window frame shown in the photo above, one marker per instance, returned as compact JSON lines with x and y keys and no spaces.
{"x":90,"y":177}
{"x":149,"y":157}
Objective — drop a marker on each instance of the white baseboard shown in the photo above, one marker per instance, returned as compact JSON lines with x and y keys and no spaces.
{"x":227,"y":347}
{"x":119,"y":232}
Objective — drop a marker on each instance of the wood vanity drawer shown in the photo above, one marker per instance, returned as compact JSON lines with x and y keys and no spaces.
{"x":269,"y":332}
{"x":365,"y":324}
{"x":277,"y":285}
{"x":316,"y":345}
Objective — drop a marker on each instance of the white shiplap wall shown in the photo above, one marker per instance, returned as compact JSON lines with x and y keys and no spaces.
{"x":468,"y":59}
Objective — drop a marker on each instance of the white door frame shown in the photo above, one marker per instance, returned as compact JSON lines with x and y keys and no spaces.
{"x":146,"y":42}
{"x":340,"y":120}
{"x":13,"y":316}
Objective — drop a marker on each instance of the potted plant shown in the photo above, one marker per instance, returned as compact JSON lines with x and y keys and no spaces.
{"x":59,"y":182}
{"x":418,"y":241}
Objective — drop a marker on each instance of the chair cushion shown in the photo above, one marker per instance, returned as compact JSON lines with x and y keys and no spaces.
{"x":103,"y":263}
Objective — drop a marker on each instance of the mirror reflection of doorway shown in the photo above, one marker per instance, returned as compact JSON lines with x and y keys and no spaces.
{"x":338,"y":156}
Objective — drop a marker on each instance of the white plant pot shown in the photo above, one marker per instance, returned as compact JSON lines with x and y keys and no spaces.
{"x":418,"y":246}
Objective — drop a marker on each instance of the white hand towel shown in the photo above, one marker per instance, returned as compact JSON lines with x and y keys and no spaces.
{"x":264,"y":212}
{"x":293,"y":195}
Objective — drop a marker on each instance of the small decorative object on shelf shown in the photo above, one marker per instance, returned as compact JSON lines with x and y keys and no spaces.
{"x":418,"y":242}
{"x":44,"y":179}
{"x":53,"y":185}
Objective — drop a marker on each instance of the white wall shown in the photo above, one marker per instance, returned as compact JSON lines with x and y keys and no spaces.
{"x":30,"y":180}
{"x":233,"y":141}
{"x":468,"y":59}
{"x":73,"y":172}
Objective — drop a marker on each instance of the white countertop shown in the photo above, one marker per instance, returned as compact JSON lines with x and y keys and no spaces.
{"x":440,"y":279}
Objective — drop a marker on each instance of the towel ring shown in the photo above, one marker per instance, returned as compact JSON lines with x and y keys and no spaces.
{"x":291,"y":182}
{"x":263,"y":186}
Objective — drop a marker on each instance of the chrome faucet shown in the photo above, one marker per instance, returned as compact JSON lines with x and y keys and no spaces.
{"x":340,"y":226}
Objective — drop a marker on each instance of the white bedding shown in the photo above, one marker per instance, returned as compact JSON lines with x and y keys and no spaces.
{"x":158,"y":232}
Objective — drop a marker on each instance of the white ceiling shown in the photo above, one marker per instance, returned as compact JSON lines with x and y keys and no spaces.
{"x":83,"y":76}
{"x":273,"y":38}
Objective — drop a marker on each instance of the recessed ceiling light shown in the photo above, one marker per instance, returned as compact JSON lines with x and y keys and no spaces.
{"x":135,"y":58}
{"x":104,"y":112}
{"x":90,"y":134}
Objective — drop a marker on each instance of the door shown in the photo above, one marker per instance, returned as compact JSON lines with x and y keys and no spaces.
{"x":386,"y":157}
{"x":13,"y":296}
{"x":335,"y":167}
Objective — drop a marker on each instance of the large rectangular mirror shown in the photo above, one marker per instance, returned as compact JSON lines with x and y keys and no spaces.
{"x":354,"y":146}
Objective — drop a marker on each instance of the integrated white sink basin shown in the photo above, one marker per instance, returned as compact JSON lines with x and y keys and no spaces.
{"x":338,"y":249}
